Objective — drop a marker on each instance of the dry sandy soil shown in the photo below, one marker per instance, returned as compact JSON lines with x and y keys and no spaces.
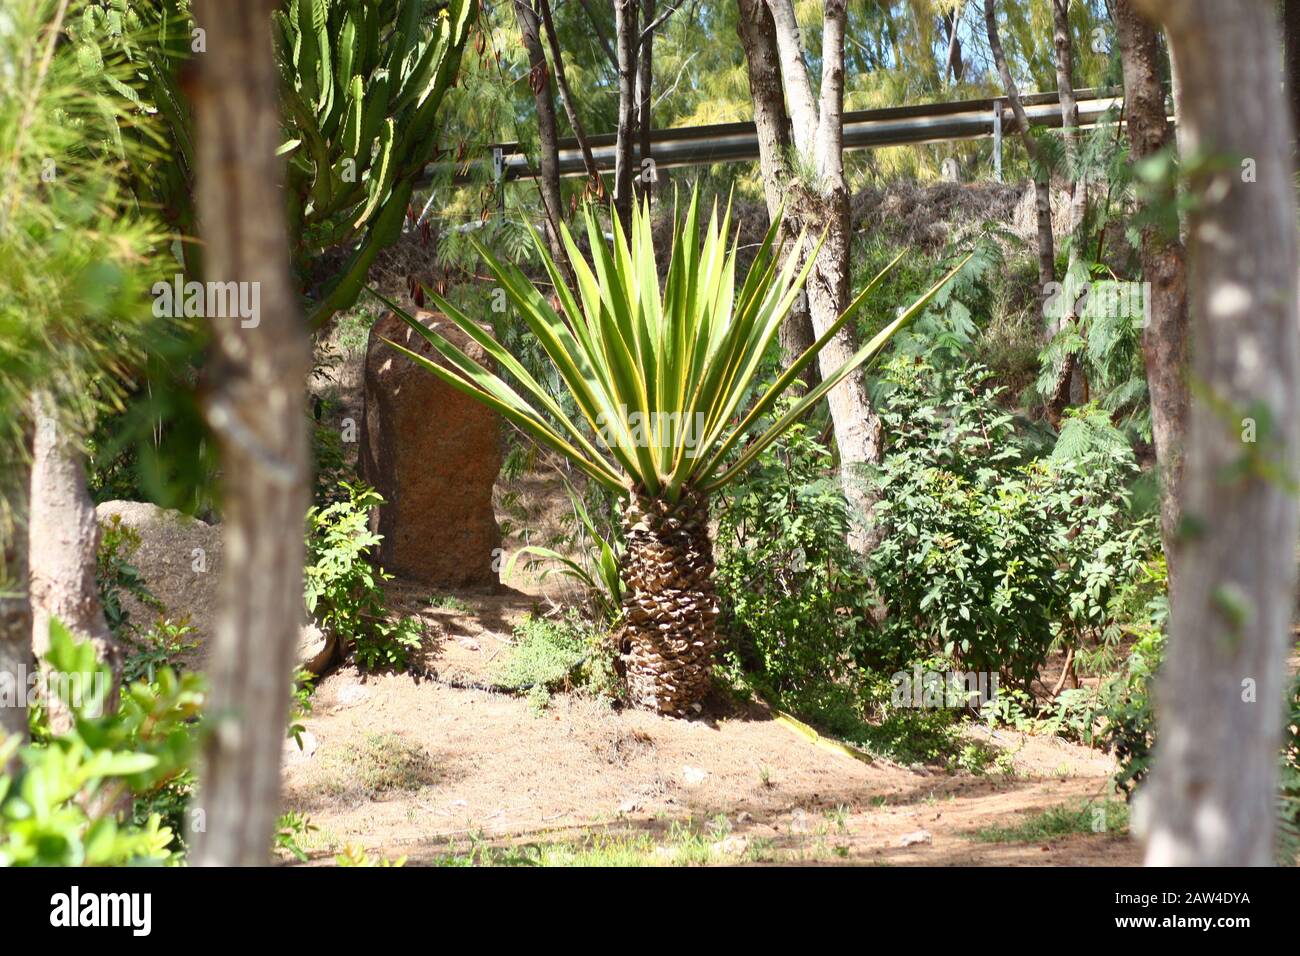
{"x":408,"y":765}
{"x":405,"y":764}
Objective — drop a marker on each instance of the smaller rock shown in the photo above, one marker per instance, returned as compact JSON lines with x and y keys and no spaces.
{"x":732,"y":845}
{"x":316,"y":649}
{"x":295,"y":754}
{"x":913,"y":838}
{"x":352,"y":695}
{"x":693,"y":775}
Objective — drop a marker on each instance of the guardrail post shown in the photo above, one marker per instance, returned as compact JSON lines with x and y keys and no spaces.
{"x":499,"y":176}
{"x":997,"y":140}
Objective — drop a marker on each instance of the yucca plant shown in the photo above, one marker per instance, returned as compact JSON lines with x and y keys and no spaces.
{"x":659,"y":376}
{"x":599,"y":577}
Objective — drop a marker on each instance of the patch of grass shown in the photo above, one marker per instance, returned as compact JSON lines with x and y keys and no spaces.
{"x":684,"y":844}
{"x":352,"y":328}
{"x":552,"y":653}
{"x":1108,"y":816}
{"x":974,"y":757}
{"x":449,"y":602}
{"x":384,"y":763}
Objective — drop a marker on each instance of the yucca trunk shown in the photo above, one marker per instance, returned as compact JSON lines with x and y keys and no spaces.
{"x":670,"y":606}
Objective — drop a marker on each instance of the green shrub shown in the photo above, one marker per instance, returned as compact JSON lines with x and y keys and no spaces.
{"x":792,"y":594}
{"x":986,"y":555}
{"x":549,"y":652}
{"x":345,"y":592}
{"x":156,"y":648}
{"x":59,"y":807}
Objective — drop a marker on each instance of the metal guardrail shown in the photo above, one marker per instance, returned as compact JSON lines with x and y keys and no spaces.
{"x":738,"y":142}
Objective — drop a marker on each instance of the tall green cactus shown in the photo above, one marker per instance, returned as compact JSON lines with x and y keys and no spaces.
{"x":363,"y":81}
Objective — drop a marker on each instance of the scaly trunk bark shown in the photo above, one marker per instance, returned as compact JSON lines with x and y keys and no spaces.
{"x":758,"y":38}
{"x":63,"y":552}
{"x":255,"y":407}
{"x":625,"y":22}
{"x":1164,"y":341}
{"x":1211,"y":796}
{"x":668,"y":638}
{"x":539,"y":78}
{"x":818,"y":133}
{"x":16,"y":661}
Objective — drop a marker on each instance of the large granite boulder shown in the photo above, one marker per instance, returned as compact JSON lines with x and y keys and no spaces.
{"x":179,"y":561}
{"x":434,"y":454}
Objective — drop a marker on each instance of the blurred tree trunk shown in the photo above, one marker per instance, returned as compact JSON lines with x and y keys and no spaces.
{"x":255,"y":406}
{"x":758,"y":38}
{"x":1211,"y":796}
{"x":16,"y":660}
{"x":625,"y":42}
{"x":823,"y":204}
{"x":1068,"y":386}
{"x":1164,"y":341}
{"x":1038,"y":162}
{"x":63,"y":551}
{"x":539,"y":78}
{"x":1291,"y":15}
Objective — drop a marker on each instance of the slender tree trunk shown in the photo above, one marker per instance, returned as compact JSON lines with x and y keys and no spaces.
{"x":1041,"y":170}
{"x":1164,"y":340}
{"x":625,"y":21}
{"x":595,"y":183}
{"x":1069,"y":382}
{"x":255,"y":407}
{"x":63,"y":551}
{"x":758,"y":38}
{"x":1211,"y":796}
{"x":645,"y":74}
{"x":539,"y":78}
{"x":818,"y":133}
{"x":599,"y":31}
{"x":16,"y":661}
{"x":952,"y":63}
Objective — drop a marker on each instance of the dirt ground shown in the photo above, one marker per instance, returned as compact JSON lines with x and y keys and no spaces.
{"x":406,"y":765}
{"x":469,"y":765}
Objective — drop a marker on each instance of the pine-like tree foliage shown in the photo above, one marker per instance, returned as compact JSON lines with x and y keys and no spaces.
{"x":76,"y":253}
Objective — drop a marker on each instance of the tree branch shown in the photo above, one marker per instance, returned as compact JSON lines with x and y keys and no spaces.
{"x":794,"y":74}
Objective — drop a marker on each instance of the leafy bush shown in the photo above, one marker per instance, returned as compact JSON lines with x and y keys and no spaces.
{"x":59,"y":807}
{"x":792,"y":594}
{"x":554,"y":651}
{"x":345,"y":593}
{"x":156,"y":648}
{"x":987,"y":556}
